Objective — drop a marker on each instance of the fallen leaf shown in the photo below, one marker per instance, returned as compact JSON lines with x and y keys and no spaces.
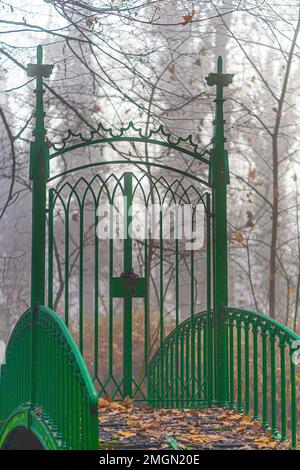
{"x":126,"y":433}
{"x":264,"y":443}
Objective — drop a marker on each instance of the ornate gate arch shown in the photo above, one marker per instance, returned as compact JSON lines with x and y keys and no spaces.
{"x":206,"y":176}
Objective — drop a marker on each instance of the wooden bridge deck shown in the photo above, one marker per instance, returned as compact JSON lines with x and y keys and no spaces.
{"x":125,"y":426}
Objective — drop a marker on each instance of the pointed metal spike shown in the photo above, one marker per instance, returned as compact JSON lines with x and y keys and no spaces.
{"x":39,"y":54}
{"x":220,"y":64}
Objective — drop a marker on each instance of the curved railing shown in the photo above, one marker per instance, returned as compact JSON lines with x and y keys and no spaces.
{"x":46,"y":373}
{"x":260,"y":369}
{"x":262,"y":356}
{"x":178,"y":371}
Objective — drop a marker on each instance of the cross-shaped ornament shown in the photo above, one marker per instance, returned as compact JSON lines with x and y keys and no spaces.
{"x":219,"y":79}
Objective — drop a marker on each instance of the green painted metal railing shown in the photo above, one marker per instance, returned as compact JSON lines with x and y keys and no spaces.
{"x":45,"y":372}
{"x":180,"y":370}
{"x":261,"y":375}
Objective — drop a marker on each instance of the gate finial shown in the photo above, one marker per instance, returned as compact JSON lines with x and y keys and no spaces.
{"x":220,"y":79}
{"x":39,"y":71}
{"x":219,"y":160}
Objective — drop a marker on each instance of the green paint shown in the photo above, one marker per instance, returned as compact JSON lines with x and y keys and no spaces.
{"x":270,"y":338}
{"x":24,"y":418}
{"x":58,"y":364}
{"x":206,"y":359}
{"x":219,"y":179}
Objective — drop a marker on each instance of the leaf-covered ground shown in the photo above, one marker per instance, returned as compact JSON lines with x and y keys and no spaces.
{"x":125,"y":426}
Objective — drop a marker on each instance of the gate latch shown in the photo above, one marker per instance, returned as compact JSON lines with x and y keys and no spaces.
{"x":130,"y":279}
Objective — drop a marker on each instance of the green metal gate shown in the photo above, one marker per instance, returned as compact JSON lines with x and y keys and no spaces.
{"x":145,"y":264}
{"x":74,"y":201}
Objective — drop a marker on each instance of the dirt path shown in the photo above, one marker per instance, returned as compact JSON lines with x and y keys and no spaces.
{"x":124,"y":426}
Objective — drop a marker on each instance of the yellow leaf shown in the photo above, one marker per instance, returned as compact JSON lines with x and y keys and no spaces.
{"x":126,"y":433}
{"x":291,"y":290}
{"x":102,"y":403}
{"x":264,"y":443}
{"x":242,"y":429}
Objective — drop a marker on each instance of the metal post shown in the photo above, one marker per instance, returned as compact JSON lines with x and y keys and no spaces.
{"x":209,"y":345}
{"x":39,"y":173}
{"x":219,"y":179}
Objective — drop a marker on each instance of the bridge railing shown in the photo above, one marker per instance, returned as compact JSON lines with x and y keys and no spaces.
{"x":262,"y":370}
{"x":179,"y":370}
{"x":45,"y":372}
{"x":260,"y":376}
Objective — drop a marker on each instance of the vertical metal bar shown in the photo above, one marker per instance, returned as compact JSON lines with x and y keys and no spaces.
{"x":74,"y":420}
{"x":192,"y":300}
{"x":219,"y":178}
{"x":161,"y":302}
{"x":208,"y":303}
{"x":67,"y":238}
{"x":50,"y":249}
{"x":199,"y":360}
{"x":167,"y":377}
{"x":172,"y":401}
{"x":293,"y":401}
{"x":187,"y":367}
{"x":81,"y":244}
{"x":247,"y":372}
{"x":94,"y":427}
{"x":255,"y":372}
{"x":273,"y":384}
{"x":182,"y":373}
{"x":231,"y":363}
{"x":205,"y":359}
{"x":127,"y":322}
{"x":110,"y":306}
{"x":264,"y":379}
{"x":283,"y":389}
{"x":96,"y":298}
{"x":76,"y":428}
{"x":177,"y":317}
{"x":147,"y":327}
{"x":239,"y":367}
{"x":157,"y":388}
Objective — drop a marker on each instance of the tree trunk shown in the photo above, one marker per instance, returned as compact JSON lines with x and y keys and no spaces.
{"x":274,"y":231}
